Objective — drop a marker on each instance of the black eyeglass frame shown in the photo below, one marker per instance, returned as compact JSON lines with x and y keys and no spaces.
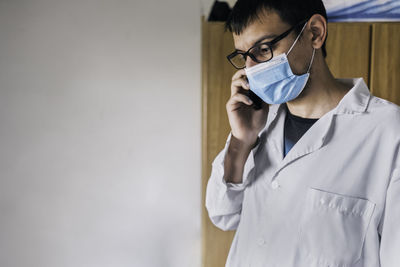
{"x":269,"y":44}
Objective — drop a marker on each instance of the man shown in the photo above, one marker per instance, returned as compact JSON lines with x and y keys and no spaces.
{"x":313,"y":179}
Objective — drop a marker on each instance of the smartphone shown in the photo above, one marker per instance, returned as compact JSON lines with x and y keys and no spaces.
{"x":257,"y":101}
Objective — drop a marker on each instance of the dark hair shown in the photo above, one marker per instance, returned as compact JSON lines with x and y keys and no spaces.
{"x":292,"y":12}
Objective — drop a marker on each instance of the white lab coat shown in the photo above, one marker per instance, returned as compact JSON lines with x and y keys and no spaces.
{"x":334,"y":200}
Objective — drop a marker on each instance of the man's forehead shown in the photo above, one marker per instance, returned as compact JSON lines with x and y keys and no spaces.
{"x":266,"y":27}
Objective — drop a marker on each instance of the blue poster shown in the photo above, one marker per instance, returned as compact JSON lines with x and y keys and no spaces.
{"x":362,"y":10}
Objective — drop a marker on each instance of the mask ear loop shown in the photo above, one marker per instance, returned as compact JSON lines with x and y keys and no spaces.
{"x":312,"y":60}
{"x":297,"y":38}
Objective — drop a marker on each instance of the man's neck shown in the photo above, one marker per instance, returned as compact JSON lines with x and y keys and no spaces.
{"x":321,"y":94}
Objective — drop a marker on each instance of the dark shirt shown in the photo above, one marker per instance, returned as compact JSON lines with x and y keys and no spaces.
{"x":294,"y":129}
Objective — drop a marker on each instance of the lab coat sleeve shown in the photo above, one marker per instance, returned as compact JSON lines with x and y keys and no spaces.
{"x":390,"y":225}
{"x":224,"y":200}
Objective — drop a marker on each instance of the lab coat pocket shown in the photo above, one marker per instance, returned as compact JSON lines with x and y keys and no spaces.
{"x":333,"y":228}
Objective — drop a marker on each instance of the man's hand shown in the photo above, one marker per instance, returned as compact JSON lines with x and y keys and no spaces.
{"x":246,"y":122}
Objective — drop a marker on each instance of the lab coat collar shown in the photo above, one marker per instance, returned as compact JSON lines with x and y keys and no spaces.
{"x":357,"y":98}
{"x":354,"y":102}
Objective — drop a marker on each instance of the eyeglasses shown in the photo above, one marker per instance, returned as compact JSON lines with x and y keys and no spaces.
{"x":259,"y":53}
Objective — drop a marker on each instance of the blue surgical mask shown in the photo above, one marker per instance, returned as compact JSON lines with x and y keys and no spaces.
{"x":274,"y":82}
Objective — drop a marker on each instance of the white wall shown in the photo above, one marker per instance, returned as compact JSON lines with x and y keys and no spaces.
{"x":100,"y":133}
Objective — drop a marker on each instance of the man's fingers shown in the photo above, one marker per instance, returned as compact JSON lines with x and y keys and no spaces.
{"x":239,"y":74}
{"x":238,"y":84}
{"x":238,"y":98}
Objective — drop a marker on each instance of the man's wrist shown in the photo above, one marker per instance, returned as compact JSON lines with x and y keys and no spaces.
{"x":235,"y":160}
{"x":239,"y":147}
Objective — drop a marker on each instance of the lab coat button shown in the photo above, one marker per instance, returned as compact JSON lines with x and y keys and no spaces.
{"x":322,"y":201}
{"x":261,"y":241}
{"x":274,"y":184}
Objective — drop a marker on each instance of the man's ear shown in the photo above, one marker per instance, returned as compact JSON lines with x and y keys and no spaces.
{"x":318,"y":28}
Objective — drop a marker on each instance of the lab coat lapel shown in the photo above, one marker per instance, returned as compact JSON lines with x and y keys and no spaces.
{"x":311,"y":141}
{"x":275,"y":131}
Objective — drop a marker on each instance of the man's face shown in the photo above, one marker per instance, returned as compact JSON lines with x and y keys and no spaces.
{"x":266,"y":29}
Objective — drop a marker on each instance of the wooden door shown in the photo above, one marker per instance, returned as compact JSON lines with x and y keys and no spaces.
{"x":217,"y":74}
{"x":348,"y":50}
{"x":385,"y":61}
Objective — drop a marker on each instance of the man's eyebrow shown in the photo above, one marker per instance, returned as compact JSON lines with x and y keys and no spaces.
{"x":268,"y":36}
